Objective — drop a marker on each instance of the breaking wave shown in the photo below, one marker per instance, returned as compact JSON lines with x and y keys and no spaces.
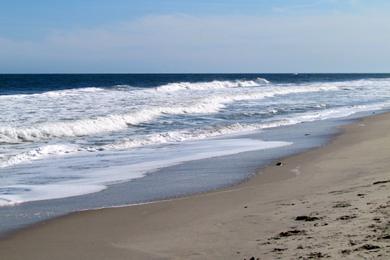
{"x":118,"y":122}
{"x":215,"y":84}
{"x":56,"y":93}
{"x":186,"y":135}
{"x":38,"y":153}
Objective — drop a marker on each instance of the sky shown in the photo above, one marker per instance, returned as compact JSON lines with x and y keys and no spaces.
{"x":194,"y":36}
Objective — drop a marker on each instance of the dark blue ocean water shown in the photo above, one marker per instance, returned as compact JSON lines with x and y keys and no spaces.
{"x":38,"y":83}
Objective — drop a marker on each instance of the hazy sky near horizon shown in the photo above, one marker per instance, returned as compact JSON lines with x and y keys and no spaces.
{"x":52,"y":36}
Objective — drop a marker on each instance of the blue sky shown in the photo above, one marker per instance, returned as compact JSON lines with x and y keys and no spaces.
{"x":194,"y":36}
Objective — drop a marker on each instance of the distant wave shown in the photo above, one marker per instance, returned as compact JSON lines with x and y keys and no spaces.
{"x":171,"y":87}
{"x":360,"y":84}
{"x":210,"y":85}
{"x":215,"y":84}
{"x":56,"y":93}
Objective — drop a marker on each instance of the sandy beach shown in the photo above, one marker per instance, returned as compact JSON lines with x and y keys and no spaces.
{"x":329,"y":202}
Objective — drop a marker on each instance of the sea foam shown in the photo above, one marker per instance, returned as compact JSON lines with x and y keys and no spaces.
{"x":215,"y":84}
{"x":116,"y":122}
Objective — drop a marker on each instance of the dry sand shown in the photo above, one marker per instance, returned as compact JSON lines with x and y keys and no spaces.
{"x":332,"y":202}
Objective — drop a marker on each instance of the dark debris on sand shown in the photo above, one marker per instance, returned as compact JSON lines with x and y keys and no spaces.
{"x":252,"y":258}
{"x":289,"y":233}
{"x":279,"y":249}
{"x":347,"y":217}
{"x":367,"y":247}
{"x":381,"y":182}
{"x":306,"y":218}
{"x":342,"y":204}
{"x":314,"y":255}
{"x":279,"y":164}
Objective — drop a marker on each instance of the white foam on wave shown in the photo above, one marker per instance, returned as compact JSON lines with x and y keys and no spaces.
{"x":171,"y":87}
{"x":55,"y":93}
{"x":210,"y":85}
{"x":266,"y":93}
{"x":98,"y":125}
{"x":128,"y":143}
{"x":376,"y":82}
{"x":179,"y":136}
{"x":325,"y":114}
{"x":109,"y":123}
{"x":217,"y":131}
{"x":38,"y":153}
{"x":215,"y":84}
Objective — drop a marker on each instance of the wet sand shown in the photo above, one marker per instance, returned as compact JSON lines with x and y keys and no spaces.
{"x":328,"y":202}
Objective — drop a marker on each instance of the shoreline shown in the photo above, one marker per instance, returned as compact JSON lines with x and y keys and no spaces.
{"x":192,"y":177}
{"x":320,"y":134}
{"x":211,"y":225}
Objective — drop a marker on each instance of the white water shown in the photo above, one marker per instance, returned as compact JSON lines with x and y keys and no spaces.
{"x":138,"y":163}
{"x":116,"y":122}
{"x":60,"y":131}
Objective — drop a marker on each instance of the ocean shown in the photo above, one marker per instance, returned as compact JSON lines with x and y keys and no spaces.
{"x":77,"y":136}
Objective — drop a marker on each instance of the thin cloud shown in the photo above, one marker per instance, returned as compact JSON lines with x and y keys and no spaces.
{"x":185,"y":43}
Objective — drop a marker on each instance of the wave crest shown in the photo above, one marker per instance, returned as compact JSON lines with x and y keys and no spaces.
{"x":215,"y":84}
{"x":39,"y":153}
